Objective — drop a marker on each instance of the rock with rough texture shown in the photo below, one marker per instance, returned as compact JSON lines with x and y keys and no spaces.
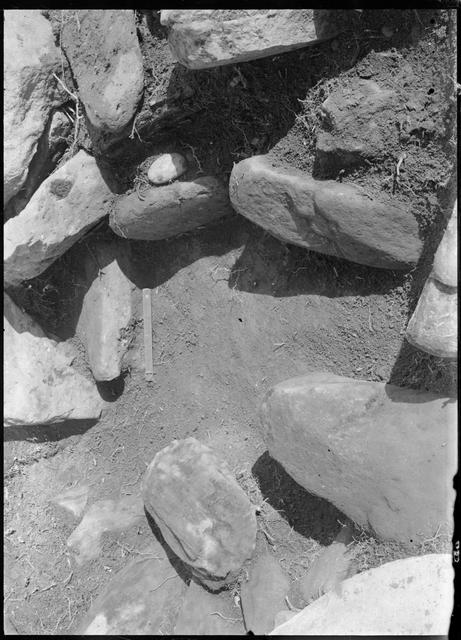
{"x":106,"y":312}
{"x":433,"y":327}
{"x":445,"y":267}
{"x":102,"y":516}
{"x":208,"y":614}
{"x":356,"y":116}
{"x":103,"y":51}
{"x":50,"y":149}
{"x":409,"y":597}
{"x":329,"y":569}
{"x":324,"y":216}
{"x":64,"y":207}
{"x":30,"y":91}
{"x":73,"y":499}
{"x":141,"y":599}
{"x":170,"y":210}
{"x":166,"y":168}
{"x":264,"y":594}
{"x":40,"y":385}
{"x":384,"y":455}
{"x":204,"y":38}
{"x":203,"y":514}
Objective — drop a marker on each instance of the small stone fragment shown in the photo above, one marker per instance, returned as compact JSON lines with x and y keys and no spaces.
{"x":264,"y":594}
{"x":104,"y":515}
{"x":166,"y":168}
{"x":203,"y":514}
{"x":74,"y":499}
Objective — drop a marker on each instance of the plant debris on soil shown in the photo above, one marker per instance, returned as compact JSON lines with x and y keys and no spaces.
{"x":234,"y":310}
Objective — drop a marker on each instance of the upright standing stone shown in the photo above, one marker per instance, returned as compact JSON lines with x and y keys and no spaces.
{"x":384,"y":455}
{"x":106,"y":61}
{"x":106,"y":311}
{"x":202,"y":512}
{"x":30,"y":91}
{"x":433,"y":327}
{"x":204,"y":38}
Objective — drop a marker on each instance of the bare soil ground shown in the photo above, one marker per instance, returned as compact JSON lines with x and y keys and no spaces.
{"x":234,"y":311}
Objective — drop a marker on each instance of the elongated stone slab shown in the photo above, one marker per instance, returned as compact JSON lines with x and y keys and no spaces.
{"x":325,"y":216}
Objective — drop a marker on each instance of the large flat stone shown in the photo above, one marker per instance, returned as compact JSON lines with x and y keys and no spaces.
{"x":409,"y":597}
{"x":106,"y":311}
{"x":203,"y":514}
{"x":325,"y":216}
{"x":141,"y":599}
{"x":41,"y":387}
{"x":30,"y":91}
{"x":203,"y":38}
{"x":384,"y":455}
{"x":66,"y":205}
{"x":208,"y":614}
{"x":103,"y":51}
{"x":171,"y":210}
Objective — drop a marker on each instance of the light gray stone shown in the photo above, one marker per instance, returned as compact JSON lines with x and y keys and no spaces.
{"x":103,"y":51}
{"x":445,"y":267}
{"x":141,"y":599}
{"x":171,"y":210}
{"x":30,"y":91}
{"x":409,"y":597}
{"x":66,"y":205}
{"x":324,"y":216}
{"x":203,"y":38}
{"x":106,"y":312}
{"x":102,"y":516}
{"x":264,"y":594}
{"x":41,"y":387}
{"x":166,"y":168}
{"x":203,"y":514}
{"x":433,"y":327}
{"x":208,"y":614}
{"x":384,"y":455}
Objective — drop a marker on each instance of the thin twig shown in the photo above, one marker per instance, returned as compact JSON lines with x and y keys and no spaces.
{"x":216,"y":613}
{"x":162,"y":583}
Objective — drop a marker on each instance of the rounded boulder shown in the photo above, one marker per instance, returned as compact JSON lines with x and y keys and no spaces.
{"x":201,"y":511}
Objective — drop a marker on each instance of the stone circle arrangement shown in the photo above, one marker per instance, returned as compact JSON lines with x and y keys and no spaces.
{"x":384,"y":455}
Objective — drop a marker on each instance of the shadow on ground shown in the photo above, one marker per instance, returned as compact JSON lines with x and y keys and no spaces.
{"x":48,"y":433}
{"x":309,"y":515}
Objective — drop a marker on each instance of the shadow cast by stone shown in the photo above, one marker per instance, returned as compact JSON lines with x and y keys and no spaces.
{"x":48,"y":432}
{"x":309,"y":515}
{"x":178,"y":565}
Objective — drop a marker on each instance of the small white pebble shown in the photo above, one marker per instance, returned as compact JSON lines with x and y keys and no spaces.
{"x":166,"y":168}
